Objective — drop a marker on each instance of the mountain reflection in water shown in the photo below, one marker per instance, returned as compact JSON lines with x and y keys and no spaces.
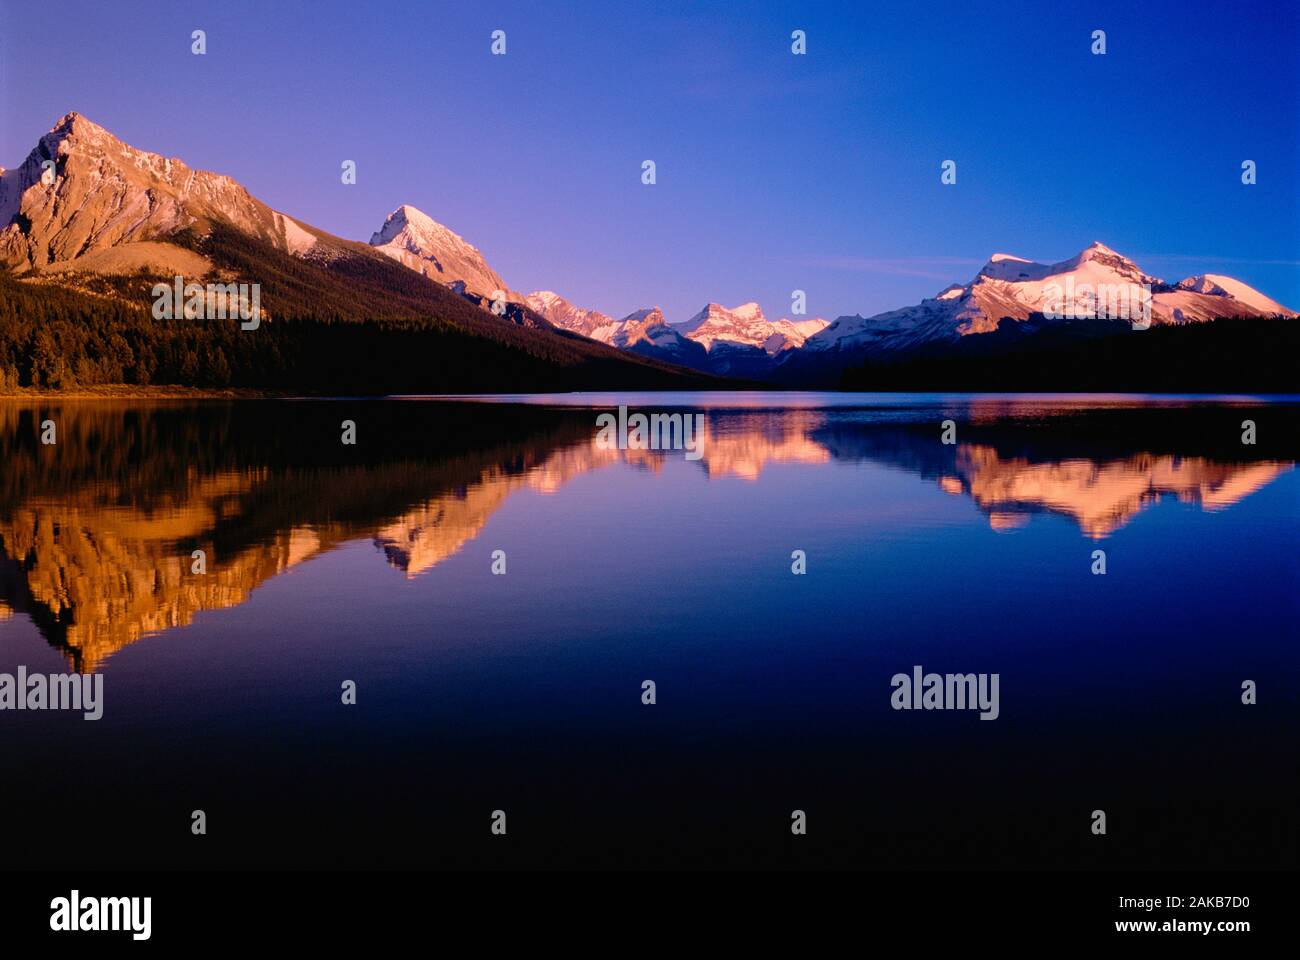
{"x":97,"y":532}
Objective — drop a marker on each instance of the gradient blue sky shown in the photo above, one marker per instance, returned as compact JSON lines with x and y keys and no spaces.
{"x":775,"y":172}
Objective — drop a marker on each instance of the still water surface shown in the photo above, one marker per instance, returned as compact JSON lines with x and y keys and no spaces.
{"x":478,"y":692}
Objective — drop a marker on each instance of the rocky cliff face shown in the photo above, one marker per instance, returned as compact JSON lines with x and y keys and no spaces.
{"x":82,"y":191}
{"x":568,"y":316}
{"x":416,"y":240}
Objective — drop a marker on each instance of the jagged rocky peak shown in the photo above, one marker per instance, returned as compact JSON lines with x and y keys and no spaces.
{"x":649,"y":316}
{"x":416,"y":240}
{"x":414,"y":221}
{"x":746,"y":326}
{"x":1103,"y":256}
{"x":568,"y":316}
{"x":82,"y":191}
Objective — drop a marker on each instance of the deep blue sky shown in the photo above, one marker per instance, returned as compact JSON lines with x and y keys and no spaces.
{"x":775,"y":172}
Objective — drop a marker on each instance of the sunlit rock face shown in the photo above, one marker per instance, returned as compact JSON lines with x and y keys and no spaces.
{"x":101,"y":193}
{"x":416,"y":240}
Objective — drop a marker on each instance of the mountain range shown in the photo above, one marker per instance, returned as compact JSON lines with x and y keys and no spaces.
{"x":88,"y":224}
{"x":1010,"y":298}
{"x":89,"y":215}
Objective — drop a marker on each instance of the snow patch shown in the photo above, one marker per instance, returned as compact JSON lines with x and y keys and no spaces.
{"x":296,"y":239}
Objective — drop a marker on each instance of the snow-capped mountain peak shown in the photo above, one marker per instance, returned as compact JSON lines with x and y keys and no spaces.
{"x":1097,"y":248}
{"x":567,"y":316}
{"x":1104,"y":258}
{"x":1006,"y":266}
{"x":413,"y":238}
{"x":648,"y":328}
{"x":1218,"y":285}
{"x":644,"y":329}
{"x":746,"y":326}
{"x":546,"y":297}
{"x":1028,"y":294}
{"x":717,"y":313}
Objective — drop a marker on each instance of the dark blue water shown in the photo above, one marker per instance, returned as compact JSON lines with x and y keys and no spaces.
{"x":522,"y":692}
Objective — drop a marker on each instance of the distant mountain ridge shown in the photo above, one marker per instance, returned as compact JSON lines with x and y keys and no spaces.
{"x":738,"y":341}
{"x":745,"y":325}
{"x":1012,"y":288}
{"x":1011,"y":297}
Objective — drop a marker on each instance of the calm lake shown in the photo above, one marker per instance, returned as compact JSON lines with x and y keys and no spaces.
{"x":477,"y":691}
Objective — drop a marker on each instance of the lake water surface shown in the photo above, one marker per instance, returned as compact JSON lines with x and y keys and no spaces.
{"x":522,"y":692}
